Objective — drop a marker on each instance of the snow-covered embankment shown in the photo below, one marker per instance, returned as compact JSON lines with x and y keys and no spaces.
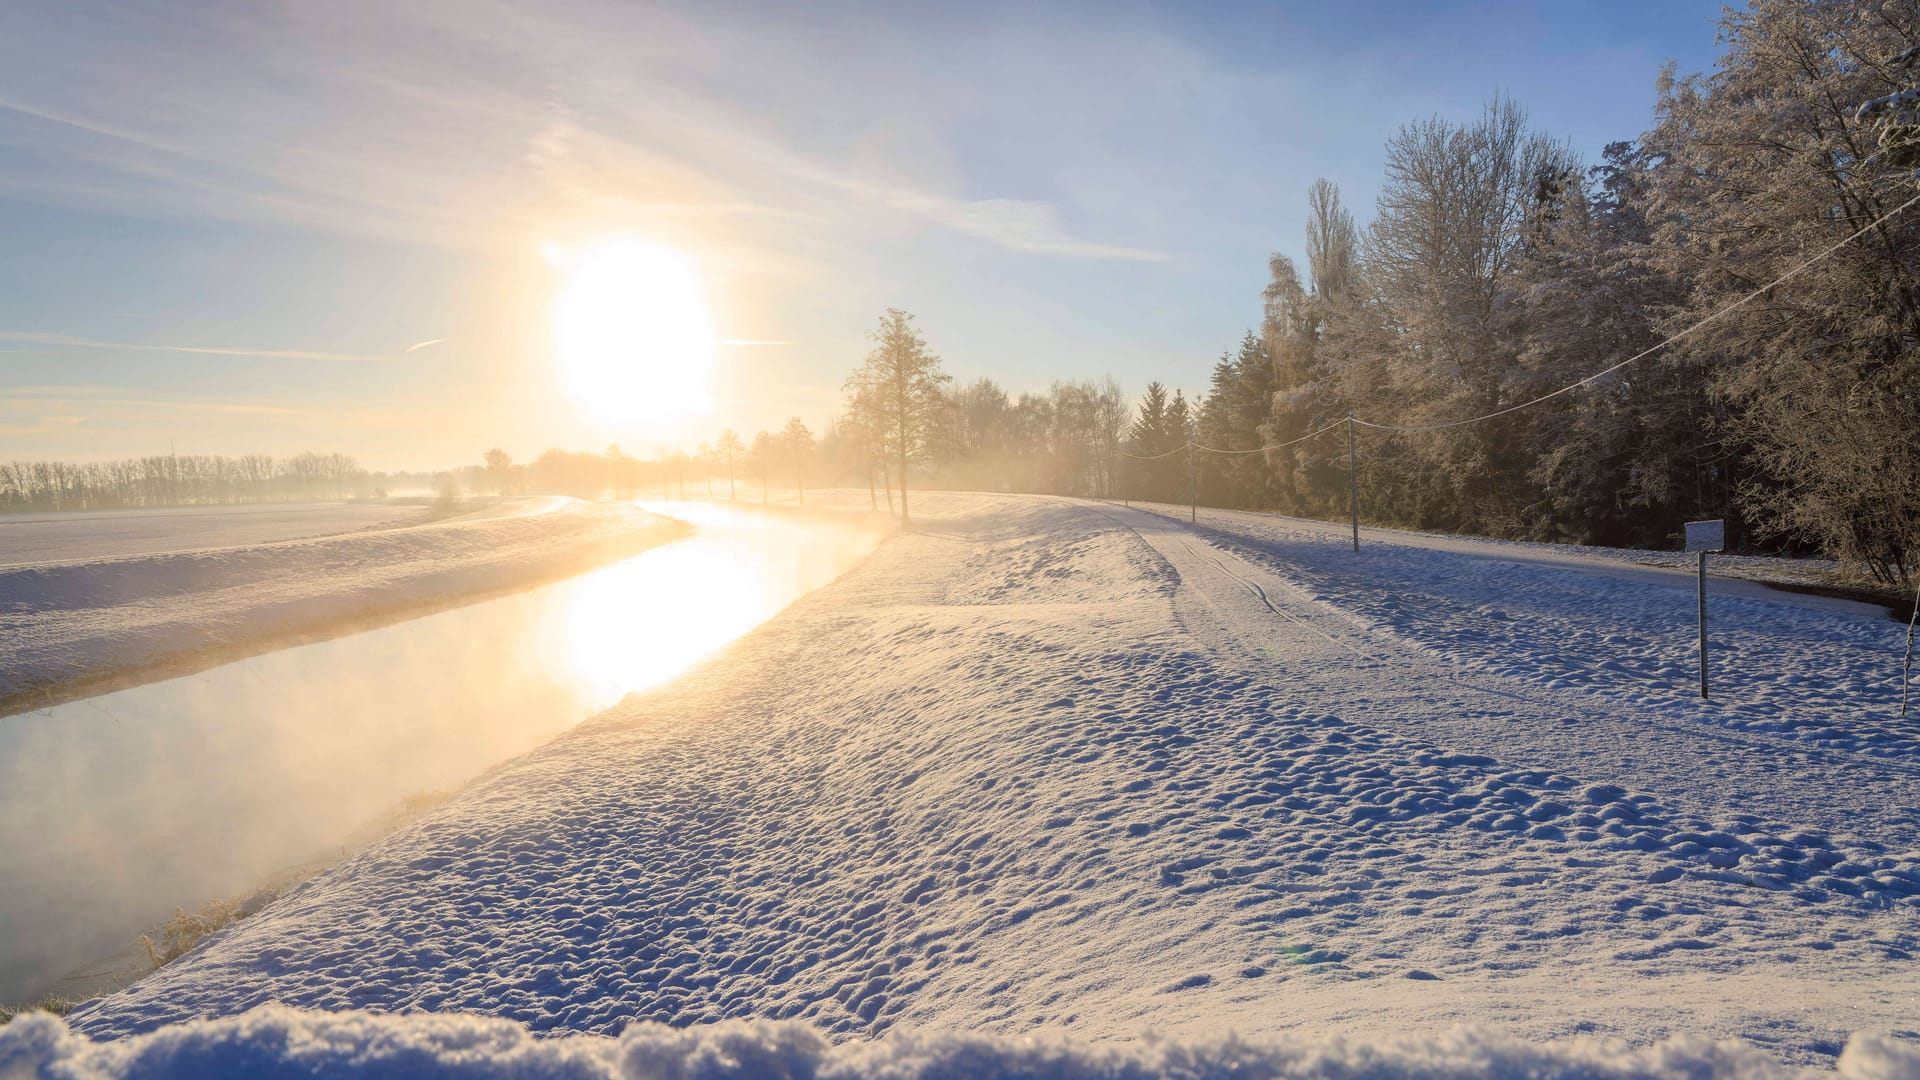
{"x":78,"y":627}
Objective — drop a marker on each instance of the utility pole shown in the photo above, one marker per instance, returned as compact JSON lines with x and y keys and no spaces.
{"x":1353,"y":483}
{"x":1193,"y":488}
{"x":1906,"y":670}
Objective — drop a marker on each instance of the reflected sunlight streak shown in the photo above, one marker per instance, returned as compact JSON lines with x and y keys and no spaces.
{"x":639,"y":625}
{"x":642,"y":622}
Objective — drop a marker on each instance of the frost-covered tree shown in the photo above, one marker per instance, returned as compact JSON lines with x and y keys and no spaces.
{"x":1430,"y":332}
{"x":1769,"y":165}
{"x":1629,"y":457}
{"x":1153,"y":437}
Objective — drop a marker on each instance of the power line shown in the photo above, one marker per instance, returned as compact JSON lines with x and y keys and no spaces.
{"x":1229,"y":453}
{"x":1747,"y":299}
{"x":1182,"y":448}
{"x":1275,"y":446}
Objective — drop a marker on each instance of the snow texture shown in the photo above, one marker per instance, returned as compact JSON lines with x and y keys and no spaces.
{"x":279,"y":1042}
{"x":65,"y":623}
{"x":1050,"y":766}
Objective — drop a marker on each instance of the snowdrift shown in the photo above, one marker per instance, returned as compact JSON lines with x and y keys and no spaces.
{"x":100,"y":624}
{"x":274,"y":1041}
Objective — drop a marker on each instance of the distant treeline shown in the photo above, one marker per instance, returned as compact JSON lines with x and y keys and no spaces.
{"x":190,"y":480}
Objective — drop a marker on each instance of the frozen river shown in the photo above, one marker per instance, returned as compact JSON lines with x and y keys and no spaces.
{"x":116,"y":810}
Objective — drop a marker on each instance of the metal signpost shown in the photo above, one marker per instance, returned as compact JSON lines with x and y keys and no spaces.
{"x":1703,"y":537}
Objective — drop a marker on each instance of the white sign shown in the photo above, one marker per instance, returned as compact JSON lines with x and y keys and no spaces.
{"x":1707,"y":535}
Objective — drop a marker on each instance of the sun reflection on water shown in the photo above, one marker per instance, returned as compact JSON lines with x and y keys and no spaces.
{"x":642,"y":622}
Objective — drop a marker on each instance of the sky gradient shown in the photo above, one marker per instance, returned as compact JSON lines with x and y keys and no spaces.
{"x":236,"y":227}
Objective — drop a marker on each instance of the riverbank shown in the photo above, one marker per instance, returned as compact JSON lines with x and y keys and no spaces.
{"x":74,"y":629}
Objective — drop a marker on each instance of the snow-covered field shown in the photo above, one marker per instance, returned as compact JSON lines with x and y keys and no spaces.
{"x":1042,"y":768}
{"x":77,"y":536}
{"x":86,"y":624}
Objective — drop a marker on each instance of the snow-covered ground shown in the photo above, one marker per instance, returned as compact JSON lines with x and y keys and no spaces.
{"x":1071,"y":769}
{"x":70,"y":625}
{"x":75,"y":536}
{"x":278,"y":1042}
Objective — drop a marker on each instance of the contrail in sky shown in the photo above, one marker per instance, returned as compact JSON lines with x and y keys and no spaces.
{"x":67,"y":341}
{"x":747,"y":343}
{"x":418,"y":345}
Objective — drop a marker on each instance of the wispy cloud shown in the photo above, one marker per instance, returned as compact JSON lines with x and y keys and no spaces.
{"x":66,"y":341}
{"x":429,"y":343}
{"x":437,"y":147}
{"x":231,"y":408}
{"x":1018,"y":225}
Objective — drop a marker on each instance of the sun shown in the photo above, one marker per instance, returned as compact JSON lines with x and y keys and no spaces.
{"x":632,"y":332}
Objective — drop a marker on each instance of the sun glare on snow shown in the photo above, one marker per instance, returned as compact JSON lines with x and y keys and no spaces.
{"x":632,"y":332}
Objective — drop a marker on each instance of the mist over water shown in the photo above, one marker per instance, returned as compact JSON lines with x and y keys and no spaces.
{"x":116,"y":810}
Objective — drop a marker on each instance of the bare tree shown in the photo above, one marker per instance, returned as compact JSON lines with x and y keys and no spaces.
{"x":499,"y":469}
{"x":728,"y":446}
{"x":799,"y":444}
{"x":903,"y":378}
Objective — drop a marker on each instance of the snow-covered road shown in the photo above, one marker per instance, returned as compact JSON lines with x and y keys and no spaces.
{"x":1066,"y":767}
{"x":1728,"y":575}
{"x":1531,"y":663}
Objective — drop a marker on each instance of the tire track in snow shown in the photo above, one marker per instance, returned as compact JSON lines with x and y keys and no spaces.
{"x":1260,"y":593}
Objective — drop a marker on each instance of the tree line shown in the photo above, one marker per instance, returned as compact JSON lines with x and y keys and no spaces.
{"x":1498,"y":268}
{"x":182,"y":480}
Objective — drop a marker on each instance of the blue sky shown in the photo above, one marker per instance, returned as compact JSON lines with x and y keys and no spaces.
{"x":224,"y":224}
